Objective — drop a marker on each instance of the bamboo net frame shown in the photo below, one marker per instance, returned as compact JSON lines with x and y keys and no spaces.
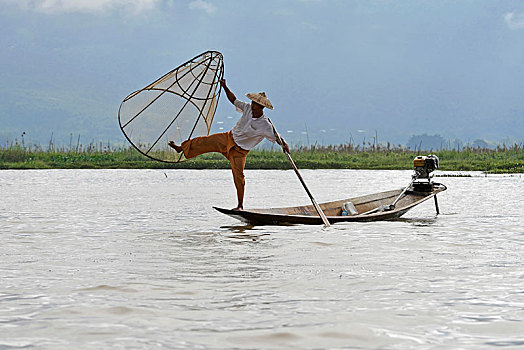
{"x":177,"y":106}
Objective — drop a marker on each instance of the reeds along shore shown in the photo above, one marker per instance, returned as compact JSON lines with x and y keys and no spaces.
{"x":504,"y":159}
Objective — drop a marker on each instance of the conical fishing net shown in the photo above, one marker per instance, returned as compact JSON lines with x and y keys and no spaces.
{"x":178,"y":106}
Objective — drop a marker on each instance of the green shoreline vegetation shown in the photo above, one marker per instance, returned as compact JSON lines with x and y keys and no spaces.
{"x":99,"y":156}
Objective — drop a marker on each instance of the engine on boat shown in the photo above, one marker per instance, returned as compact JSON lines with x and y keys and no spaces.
{"x":424,"y":166}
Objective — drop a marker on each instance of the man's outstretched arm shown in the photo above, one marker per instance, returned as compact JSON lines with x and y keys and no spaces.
{"x":230,"y":96}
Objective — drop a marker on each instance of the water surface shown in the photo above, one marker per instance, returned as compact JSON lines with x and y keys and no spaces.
{"x":137,"y":259}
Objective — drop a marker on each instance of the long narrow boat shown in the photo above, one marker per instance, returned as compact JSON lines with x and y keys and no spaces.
{"x":372,"y":207}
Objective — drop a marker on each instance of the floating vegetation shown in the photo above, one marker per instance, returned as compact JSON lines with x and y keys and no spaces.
{"x":453,"y":175}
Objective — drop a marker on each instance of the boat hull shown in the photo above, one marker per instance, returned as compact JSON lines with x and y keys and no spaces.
{"x":365,"y":205}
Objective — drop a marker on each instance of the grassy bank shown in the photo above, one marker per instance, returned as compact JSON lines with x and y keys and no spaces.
{"x":501,"y":160}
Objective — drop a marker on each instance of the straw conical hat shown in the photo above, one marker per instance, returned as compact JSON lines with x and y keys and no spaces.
{"x":261,"y":99}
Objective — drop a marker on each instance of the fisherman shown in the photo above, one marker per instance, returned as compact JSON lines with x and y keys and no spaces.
{"x":235,"y":144}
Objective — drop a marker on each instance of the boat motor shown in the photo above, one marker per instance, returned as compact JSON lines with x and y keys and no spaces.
{"x":420,"y":181}
{"x":425,"y":165}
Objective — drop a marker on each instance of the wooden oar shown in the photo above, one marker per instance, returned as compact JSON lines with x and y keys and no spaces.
{"x":315,"y":204}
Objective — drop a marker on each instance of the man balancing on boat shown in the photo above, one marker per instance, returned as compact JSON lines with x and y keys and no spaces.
{"x":252,"y":127}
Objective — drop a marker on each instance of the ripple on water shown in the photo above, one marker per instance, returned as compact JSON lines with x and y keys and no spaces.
{"x":143,"y":261}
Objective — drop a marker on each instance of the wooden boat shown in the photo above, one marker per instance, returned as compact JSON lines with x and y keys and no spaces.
{"x":372,"y":207}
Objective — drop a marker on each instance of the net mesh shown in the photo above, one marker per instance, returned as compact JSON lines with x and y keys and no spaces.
{"x":178,"y":106}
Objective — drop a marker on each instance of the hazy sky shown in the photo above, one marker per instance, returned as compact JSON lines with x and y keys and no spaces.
{"x":337,"y":68}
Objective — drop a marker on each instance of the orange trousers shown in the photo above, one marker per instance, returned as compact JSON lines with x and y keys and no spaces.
{"x":221,"y":143}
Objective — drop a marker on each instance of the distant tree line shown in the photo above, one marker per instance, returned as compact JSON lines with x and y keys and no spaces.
{"x":436,"y":142}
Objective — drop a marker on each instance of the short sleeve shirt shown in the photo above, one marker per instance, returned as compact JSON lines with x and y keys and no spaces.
{"x":249,"y":131}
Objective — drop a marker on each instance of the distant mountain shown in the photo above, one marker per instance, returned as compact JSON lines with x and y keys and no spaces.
{"x":43,"y":114}
{"x":336,"y":72}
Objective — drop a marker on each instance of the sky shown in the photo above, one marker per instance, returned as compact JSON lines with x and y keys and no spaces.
{"x":336,"y":71}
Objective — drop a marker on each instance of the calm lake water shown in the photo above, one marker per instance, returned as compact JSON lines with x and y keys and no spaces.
{"x":138,"y":259}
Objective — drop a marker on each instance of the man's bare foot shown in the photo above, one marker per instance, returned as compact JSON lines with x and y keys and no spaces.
{"x":178,"y":149}
{"x":238,"y":208}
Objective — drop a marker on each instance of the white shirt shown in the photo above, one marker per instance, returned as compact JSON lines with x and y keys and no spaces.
{"x":249,"y":131}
